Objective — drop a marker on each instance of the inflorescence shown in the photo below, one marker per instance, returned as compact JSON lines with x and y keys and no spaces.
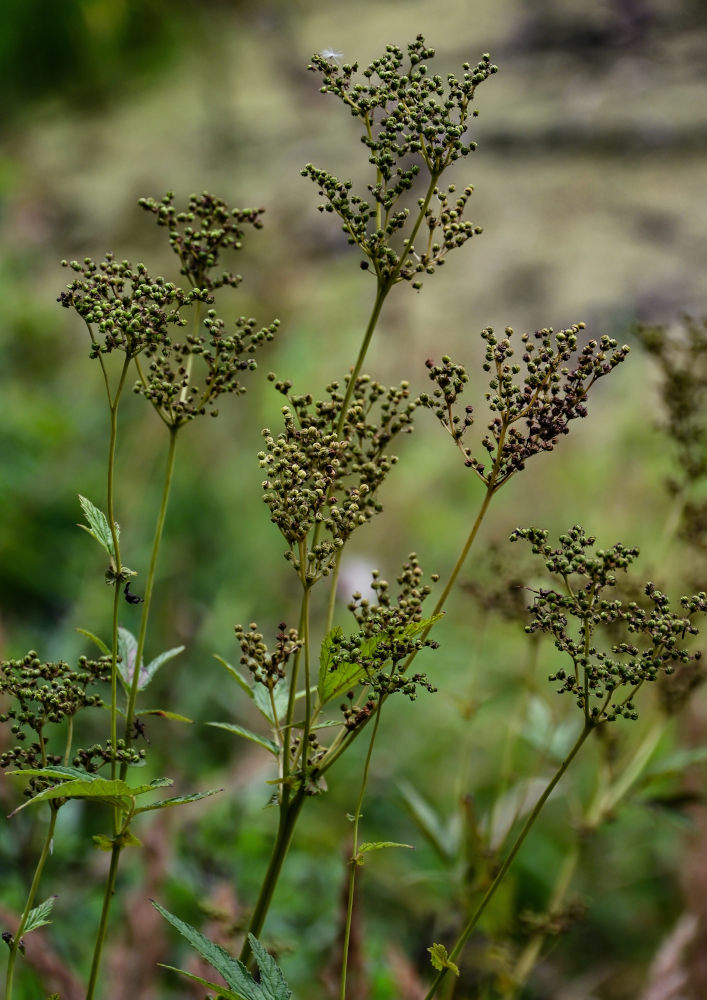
{"x":43,"y":695}
{"x":605,"y":681}
{"x":127,"y":310}
{"x":325,"y":468}
{"x":413,"y":121}
{"x":529,"y":417}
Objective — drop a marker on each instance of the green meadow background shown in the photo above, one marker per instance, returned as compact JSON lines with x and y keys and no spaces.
{"x":589,"y":183}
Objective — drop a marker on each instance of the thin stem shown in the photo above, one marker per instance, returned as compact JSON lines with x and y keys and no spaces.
{"x":149,"y":583}
{"x":381,"y":293}
{"x":289,"y":813}
{"x":31,"y":896}
{"x":510,"y":858}
{"x":354,"y":860}
{"x":103,"y":925}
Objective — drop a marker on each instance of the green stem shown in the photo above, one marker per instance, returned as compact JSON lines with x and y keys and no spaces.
{"x":381,"y":293}
{"x":31,"y":896}
{"x":103,"y":925}
{"x":289,"y":813}
{"x":354,"y":861}
{"x":149,"y":584}
{"x":510,"y":858}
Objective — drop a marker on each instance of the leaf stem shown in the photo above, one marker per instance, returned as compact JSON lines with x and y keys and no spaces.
{"x":31,"y":896}
{"x":354,"y":861}
{"x":510,"y":858}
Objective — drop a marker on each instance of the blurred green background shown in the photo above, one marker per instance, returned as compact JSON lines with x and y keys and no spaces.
{"x":590,"y":186}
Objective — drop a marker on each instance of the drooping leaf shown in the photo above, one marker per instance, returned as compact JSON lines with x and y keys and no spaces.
{"x":127,"y":651}
{"x":98,"y":525}
{"x":148,"y":672}
{"x":178,"y":800}
{"x":164,"y":714}
{"x":272,"y":981}
{"x":262,"y":741}
{"x":39,"y":916}
{"x":94,"y":638}
{"x":233,"y":971}
{"x":237,"y":675}
{"x":261,"y":697}
{"x":221,"y":992}
{"x":57,"y":771}
{"x":440,"y":959}
{"x":109,"y":791}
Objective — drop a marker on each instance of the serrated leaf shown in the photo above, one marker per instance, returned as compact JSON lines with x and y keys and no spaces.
{"x":178,"y":800}
{"x":233,"y":971}
{"x":221,"y":992}
{"x":94,"y":638}
{"x":38,"y":917}
{"x":148,"y":672}
{"x":115,"y":793}
{"x":262,"y":741}
{"x":57,"y":771}
{"x":109,"y":791}
{"x":440,"y":959}
{"x":272,"y":981}
{"x":236,"y":674}
{"x":98,"y":525}
{"x":378,"y":846}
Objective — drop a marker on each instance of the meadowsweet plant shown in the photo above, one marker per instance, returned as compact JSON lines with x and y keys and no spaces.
{"x":324,"y":676}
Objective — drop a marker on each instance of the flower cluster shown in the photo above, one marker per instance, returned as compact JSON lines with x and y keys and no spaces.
{"x":389,"y":631}
{"x":324,"y":469}
{"x":93,"y":758}
{"x":267,"y":667}
{"x":169,"y":382}
{"x":605,"y":681}
{"x":44,"y":694}
{"x":411,"y":120}
{"x":123,"y":307}
{"x":201,"y":233}
{"x":127,"y":310}
{"x":527,"y":417}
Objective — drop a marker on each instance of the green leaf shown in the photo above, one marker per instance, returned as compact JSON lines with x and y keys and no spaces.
{"x":178,"y":800}
{"x":148,"y":672}
{"x":440,"y":959}
{"x":221,"y":991}
{"x":237,"y":675}
{"x":272,"y":981}
{"x":378,"y":846}
{"x":125,"y":839}
{"x":115,"y":793}
{"x":57,"y":771}
{"x":38,"y":917}
{"x":94,"y":638}
{"x":111,"y":792}
{"x":98,"y":525}
{"x":262,"y":741}
{"x":164,"y":714}
{"x":674,"y":764}
{"x":261,"y":697}
{"x":234,"y":972}
{"x":127,"y":651}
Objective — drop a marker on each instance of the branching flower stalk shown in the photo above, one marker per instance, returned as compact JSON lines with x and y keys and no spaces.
{"x":604,"y":682}
{"x":126,"y":310}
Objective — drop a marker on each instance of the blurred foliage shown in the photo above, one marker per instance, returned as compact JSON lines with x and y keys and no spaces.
{"x":590,"y":185}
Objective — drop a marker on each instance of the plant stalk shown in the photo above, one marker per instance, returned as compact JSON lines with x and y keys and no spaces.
{"x":31,"y":896}
{"x":510,"y":858}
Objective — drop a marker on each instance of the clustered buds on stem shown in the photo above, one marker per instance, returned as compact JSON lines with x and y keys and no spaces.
{"x":44,"y":694}
{"x":605,"y":681}
{"x":413,"y":121}
{"x":325,"y":468}
{"x":127,"y":310}
{"x":267,"y":667}
{"x":527,"y":417}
